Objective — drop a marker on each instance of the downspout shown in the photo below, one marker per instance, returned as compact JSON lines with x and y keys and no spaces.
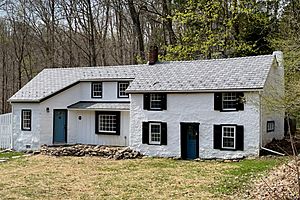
{"x":260,"y":127}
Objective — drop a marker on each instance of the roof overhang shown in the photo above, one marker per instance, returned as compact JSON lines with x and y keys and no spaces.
{"x":195,"y":91}
{"x":104,"y":105}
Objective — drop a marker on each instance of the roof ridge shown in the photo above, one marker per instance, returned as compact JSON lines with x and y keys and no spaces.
{"x":96,"y":67}
{"x":214,"y":59}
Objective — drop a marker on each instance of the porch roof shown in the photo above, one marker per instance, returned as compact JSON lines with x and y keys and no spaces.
{"x":92,"y":105}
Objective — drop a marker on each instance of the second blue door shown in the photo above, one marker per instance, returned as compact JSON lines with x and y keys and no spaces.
{"x":189,"y":140}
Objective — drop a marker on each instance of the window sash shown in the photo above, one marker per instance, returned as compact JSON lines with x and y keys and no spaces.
{"x":155,"y":101}
{"x":122,"y":88}
{"x":226,"y":137}
{"x":26,"y":119}
{"x":270,"y":126}
{"x":154,"y":137}
{"x":97,"y":89}
{"x":107,"y":123}
{"x":229,"y":101}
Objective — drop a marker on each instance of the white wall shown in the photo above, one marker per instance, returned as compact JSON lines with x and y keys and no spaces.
{"x":271,"y":111}
{"x":195,"y":107}
{"x":84,"y":129}
{"x":109,"y":92}
{"x":42,"y":121}
{"x":23,"y":138}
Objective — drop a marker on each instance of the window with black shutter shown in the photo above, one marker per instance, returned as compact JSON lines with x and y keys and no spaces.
{"x":155,"y":101}
{"x":154,"y":133}
{"x":229,"y":137}
{"x":228,"y":101}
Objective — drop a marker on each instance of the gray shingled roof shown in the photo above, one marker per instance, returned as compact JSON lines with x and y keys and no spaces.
{"x":217,"y":74}
{"x":50,"y":81}
{"x":177,"y":76}
{"x":100,"y":106}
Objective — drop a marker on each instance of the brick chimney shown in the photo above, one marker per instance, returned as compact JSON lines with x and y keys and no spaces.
{"x":153,"y":55}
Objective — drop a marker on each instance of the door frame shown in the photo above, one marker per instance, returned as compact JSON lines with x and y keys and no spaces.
{"x":183,"y":141}
{"x":66,"y":129}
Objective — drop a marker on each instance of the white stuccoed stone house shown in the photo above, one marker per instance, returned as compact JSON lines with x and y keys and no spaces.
{"x":202,"y":108}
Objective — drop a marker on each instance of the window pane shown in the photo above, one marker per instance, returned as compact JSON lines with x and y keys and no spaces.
{"x":228,"y":142}
{"x":97,"y":89}
{"x":155,"y":101}
{"x":107,"y":123}
{"x":26,"y":119}
{"x":122,"y":88}
{"x":228,"y":132}
{"x":229,"y":100}
{"x":228,"y":136}
{"x":155,"y":134}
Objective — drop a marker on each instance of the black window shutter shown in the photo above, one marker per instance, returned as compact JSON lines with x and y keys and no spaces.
{"x":146,"y":101}
{"x":164,"y":101}
{"x":218,"y":101}
{"x":118,"y":122}
{"x":239,"y":103}
{"x":145,"y":133}
{"x":217,"y":136}
{"x":164,"y":134}
{"x":239,"y":138}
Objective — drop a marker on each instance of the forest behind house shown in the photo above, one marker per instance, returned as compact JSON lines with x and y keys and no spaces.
{"x":38,"y":34}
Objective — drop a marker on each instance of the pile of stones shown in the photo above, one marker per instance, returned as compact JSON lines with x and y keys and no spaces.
{"x":109,"y":152}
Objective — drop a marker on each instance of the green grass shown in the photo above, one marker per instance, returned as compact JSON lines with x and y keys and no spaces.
{"x":9,"y":155}
{"x":44,"y":177}
{"x":239,"y":177}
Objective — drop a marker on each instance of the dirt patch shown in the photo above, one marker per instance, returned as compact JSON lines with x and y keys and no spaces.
{"x":284,"y":145}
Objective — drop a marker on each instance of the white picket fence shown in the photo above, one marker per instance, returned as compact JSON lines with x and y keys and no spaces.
{"x":6,"y":131}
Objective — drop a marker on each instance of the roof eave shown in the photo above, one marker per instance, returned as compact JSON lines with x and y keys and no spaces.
{"x":195,"y":91}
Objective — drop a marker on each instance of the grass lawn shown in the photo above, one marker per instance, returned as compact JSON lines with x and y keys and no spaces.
{"x":43,"y":177}
{"x":9,"y":155}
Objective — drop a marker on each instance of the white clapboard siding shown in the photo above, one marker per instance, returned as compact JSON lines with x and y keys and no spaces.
{"x":6,"y":131}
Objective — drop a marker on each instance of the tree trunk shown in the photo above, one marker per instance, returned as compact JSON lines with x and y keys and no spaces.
{"x":137,"y":28}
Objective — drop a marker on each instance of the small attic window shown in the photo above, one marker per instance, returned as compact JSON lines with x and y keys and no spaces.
{"x":122,"y":86}
{"x":96,"y":90}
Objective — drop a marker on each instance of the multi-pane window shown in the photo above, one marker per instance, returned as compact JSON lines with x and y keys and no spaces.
{"x":97,"y":90}
{"x":108,"y":122}
{"x":228,"y":137}
{"x":229,"y":101}
{"x":122,"y":86}
{"x":26,"y":120}
{"x":270,"y":126}
{"x":155,"y":101}
{"x":154,"y":133}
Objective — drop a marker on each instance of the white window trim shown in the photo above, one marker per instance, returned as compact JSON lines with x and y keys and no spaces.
{"x":27,"y":120}
{"x":97,"y":96}
{"x":227,"y":109}
{"x":155,"y":101}
{"x":150,"y":141}
{"x":126,"y":95}
{"x":234,"y":137}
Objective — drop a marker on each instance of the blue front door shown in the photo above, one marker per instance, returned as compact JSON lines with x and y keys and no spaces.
{"x":189,"y":140}
{"x":60,"y":126}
